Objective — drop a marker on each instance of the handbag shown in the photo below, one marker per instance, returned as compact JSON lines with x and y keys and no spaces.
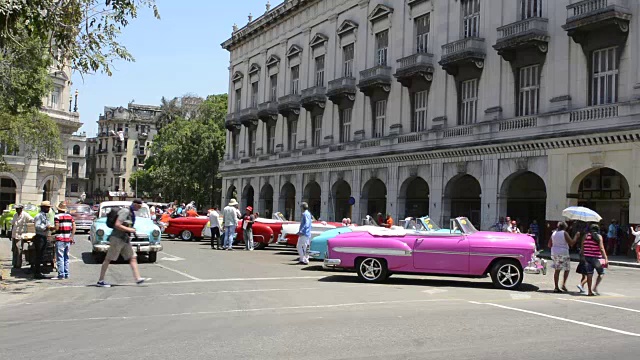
{"x":603,"y":263}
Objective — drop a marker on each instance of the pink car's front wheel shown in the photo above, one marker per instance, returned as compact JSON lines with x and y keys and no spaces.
{"x":507,"y":274}
{"x":372,"y":269}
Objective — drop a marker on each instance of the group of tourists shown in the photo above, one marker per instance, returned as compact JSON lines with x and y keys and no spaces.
{"x":506,"y":224}
{"x":593,"y":256}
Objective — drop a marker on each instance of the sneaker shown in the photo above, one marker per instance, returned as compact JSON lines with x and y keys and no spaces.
{"x":142,"y":280}
{"x":66,"y":276}
{"x":103,"y":284}
{"x":580,"y":288}
{"x":58,"y":278}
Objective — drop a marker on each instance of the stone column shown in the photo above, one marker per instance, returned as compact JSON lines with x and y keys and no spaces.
{"x":436,"y":193}
{"x":392,"y":192}
{"x":489,"y":201}
{"x":356,"y":189}
{"x":299,"y":184}
{"x":325,"y":188}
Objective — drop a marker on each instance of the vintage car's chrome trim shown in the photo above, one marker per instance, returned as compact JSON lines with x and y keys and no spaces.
{"x":372,"y":251}
{"x":442,"y":252}
{"x":314,"y":254}
{"x":103,"y":248}
{"x":331,"y":263}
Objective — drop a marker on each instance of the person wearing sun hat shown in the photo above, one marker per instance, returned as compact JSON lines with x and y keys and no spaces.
{"x":18,"y":226}
{"x":43,"y":227}
{"x":247,"y":227}
{"x":65,"y":231}
{"x":230,"y":220}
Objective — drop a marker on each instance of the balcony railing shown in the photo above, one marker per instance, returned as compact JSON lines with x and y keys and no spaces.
{"x":416,"y":66}
{"x":378,"y":71}
{"x":461,"y":46}
{"x":590,"y":7}
{"x":314,"y":97}
{"x":596,"y":120}
{"x":416,"y":59}
{"x":341,"y":88}
{"x":101,"y":170}
{"x":523,"y":27}
{"x":118,"y":170}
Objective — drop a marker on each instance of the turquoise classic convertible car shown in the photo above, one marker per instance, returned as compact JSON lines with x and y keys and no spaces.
{"x":318,"y":246}
{"x":147,"y":239}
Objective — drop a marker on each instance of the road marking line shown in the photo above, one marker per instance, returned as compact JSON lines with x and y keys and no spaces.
{"x":171,"y":259}
{"x":613,"y":294}
{"x":178,"y":272}
{"x":166,"y":253}
{"x":434,"y":291}
{"x":600,"y":304}
{"x":520,"y":296}
{"x":302,"y":307}
{"x":199,"y":281}
{"x":558,"y":318}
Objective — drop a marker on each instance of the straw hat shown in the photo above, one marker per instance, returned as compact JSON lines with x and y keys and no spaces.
{"x":62,"y":207}
{"x":45,"y":204}
{"x":233,"y":202}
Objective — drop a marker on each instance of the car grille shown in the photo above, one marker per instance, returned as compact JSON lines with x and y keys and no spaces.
{"x":140,"y":236}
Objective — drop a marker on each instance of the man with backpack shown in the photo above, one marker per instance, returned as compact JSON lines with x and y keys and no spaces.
{"x":122,"y":222}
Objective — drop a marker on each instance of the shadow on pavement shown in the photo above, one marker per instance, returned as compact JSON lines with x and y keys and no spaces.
{"x":427,"y":282}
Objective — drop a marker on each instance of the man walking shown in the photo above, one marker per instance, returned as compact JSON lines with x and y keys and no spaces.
{"x":65,"y":232}
{"x":120,"y":244}
{"x":18,"y":225}
{"x":612,"y":237}
{"x":43,"y":226}
{"x":304,"y":235}
{"x":247,"y":228}
{"x":214,"y":226}
{"x":230,"y":220}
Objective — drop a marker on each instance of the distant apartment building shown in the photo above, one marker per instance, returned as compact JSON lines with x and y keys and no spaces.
{"x":478,"y":108}
{"x":121,"y":147}
{"x":31,"y":181}
{"x":77,"y":181}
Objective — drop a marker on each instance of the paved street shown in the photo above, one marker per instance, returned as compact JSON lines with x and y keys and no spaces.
{"x":206,"y":304}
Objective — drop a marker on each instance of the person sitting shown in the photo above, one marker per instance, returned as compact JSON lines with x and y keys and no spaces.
{"x":192,"y":213}
{"x":388,"y":223}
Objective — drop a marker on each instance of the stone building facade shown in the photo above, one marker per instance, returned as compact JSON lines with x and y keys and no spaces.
{"x":443,"y":108}
{"x":77,"y":181}
{"x":113,"y":161}
{"x":31,"y":181}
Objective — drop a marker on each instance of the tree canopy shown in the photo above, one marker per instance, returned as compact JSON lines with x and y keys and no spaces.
{"x":38,"y":36}
{"x":186,"y":155}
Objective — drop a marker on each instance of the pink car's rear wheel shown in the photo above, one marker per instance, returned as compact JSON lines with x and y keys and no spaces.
{"x":372,"y":269}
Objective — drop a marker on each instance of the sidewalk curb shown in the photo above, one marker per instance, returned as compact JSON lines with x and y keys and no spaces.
{"x":611,"y":262}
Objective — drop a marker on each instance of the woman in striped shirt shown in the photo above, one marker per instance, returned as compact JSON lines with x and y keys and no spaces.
{"x":591,"y":251}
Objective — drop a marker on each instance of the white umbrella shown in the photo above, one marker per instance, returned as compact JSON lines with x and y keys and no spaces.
{"x":581,"y":213}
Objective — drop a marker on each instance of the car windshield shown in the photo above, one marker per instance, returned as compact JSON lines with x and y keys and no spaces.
{"x":430,"y":224}
{"x":463,"y":224}
{"x":83,"y":209}
{"x":143,"y":212}
{"x":278,"y":216}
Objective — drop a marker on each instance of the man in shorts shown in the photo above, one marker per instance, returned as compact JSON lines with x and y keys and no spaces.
{"x":120,"y":244}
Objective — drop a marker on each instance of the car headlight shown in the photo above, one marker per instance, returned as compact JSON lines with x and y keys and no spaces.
{"x":155,"y":233}
{"x":100,"y":232}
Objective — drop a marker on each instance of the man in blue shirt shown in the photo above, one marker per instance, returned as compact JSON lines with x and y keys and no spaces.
{"x":304,"y":235}
{"x":43,"y":227}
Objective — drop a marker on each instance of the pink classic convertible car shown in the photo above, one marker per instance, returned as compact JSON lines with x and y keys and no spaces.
{"x":464,"y":251}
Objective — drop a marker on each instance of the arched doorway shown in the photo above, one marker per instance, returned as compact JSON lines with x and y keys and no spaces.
{"x":247,"y":197}
{"x":232,"y":193}
{"x":48,"y":190}
{"x":374,"y":198}
{"x":341,"y":193}
{"x":311,"y":195}
{"x":607,"y":192}
{"x":524,"y":196}
{"x":288,"y":201}
{"x":462,"y":198}
{"x":266,"y":201}
{"x":8,"y":191}
{"x":414,"y":198}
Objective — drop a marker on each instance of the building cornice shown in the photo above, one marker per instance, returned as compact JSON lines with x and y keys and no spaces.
{"x":257,"y":25}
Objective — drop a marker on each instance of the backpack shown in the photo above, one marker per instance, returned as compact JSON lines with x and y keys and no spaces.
{"x":112,"y":216}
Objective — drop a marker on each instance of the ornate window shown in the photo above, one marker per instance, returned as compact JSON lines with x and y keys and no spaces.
{"x":348,"y":54}
{"x":422,"y":26}
{"x":345,"y":125}
{"x":529,"y":90}
{"x":468,"y":102}
{"x":380,"y":118}
{"x":382,"y":47}
{"x":604,"y":87}
{"x":470,"y":18}
{"x":419,"y":122}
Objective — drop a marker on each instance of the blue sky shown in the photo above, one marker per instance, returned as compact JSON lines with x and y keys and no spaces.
{"x":176,"y":55}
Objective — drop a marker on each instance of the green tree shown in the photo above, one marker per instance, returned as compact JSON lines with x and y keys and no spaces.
{"x":186,"y":156}
{"x":37,"y":35}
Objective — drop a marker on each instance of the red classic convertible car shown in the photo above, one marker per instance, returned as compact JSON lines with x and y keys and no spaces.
{"x":188,"y":228}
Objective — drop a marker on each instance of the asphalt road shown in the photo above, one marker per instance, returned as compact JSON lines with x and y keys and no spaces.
{"x":207,"y":304}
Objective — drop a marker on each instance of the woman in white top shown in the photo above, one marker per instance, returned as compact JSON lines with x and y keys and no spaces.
{"x":559,"y":243}
{"x":636,"y":242}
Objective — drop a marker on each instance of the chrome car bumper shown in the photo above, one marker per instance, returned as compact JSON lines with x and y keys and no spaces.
{"x":536,"y":266}
{"x":83,"y":227}
{"x":103,"y":248}
{"x":331,"y":263}
{"x":314,"y":254}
